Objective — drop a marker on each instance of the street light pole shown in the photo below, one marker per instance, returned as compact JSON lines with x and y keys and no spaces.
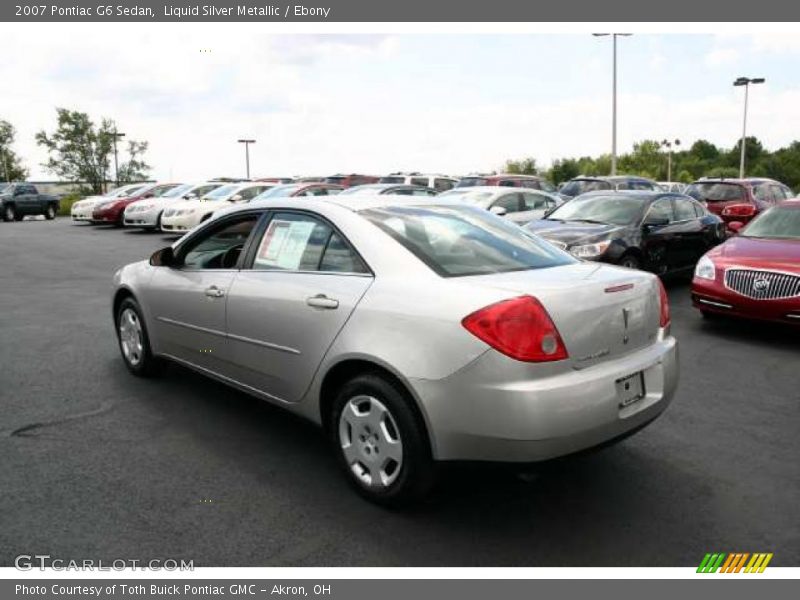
{"x":669,"y":144}
{"x":745,"y":81}
{"x":613,"y":96}
{"x":247,"y":153}
{"x":117,"y":135}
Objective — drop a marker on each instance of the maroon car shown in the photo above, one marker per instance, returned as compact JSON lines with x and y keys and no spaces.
{"x":112,"y":212}
{"x":738,"y":199}
{"x":507,"y":180}
{"x":755,"y":274}
{"x":351,"y":180}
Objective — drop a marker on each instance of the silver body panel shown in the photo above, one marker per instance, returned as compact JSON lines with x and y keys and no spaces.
{"x":263,"y":337}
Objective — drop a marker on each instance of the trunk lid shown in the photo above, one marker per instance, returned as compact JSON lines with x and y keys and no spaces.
{"x":602,"y":312}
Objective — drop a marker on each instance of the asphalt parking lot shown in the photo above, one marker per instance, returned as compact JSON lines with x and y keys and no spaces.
{"x":95,"y":463}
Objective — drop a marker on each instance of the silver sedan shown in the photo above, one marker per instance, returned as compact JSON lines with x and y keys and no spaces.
{"x":414,"y":331}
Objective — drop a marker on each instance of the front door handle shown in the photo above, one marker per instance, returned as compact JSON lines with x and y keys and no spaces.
{"x":214,"y":292}
{"x":322,"y":301}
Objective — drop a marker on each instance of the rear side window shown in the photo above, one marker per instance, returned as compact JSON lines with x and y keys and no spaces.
{"x":421,"y":181}
{"x":457,"y":241}
{"x":510,"y":202}
{"x":660,"y":211}
{"x":442,"y":185}
{"x":684,"y":210}
{"x":298,"y":242}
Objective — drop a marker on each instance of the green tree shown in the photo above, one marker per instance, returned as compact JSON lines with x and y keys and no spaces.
{"x":525,"y":166}
{"x":80,"y":151}
{"x":11,"y":168}
{"x":563,"y":169}
{"x":135,"y":168}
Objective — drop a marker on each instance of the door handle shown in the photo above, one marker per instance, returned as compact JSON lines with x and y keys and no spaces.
{"x":322,"y":301}
{"x":214,"y":292}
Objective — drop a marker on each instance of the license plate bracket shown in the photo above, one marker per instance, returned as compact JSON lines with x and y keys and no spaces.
{"x":630,"y":389}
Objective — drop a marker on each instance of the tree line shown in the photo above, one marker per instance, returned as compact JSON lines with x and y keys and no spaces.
{"x":649,"y":159}
{"x":79,"y":151}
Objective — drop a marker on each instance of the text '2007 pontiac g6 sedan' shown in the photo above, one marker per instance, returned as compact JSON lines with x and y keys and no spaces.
{"x":415,"y":331}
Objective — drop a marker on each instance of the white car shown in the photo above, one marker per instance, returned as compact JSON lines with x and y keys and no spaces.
{"x":186,"y":215}
{"x":82,"y":209}
{"x":520,"y":205}
{"x":440,"y":183}
{"x":146,"y":213}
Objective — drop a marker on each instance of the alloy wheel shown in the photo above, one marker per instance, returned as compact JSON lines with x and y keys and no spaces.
{"x":131,"y":337}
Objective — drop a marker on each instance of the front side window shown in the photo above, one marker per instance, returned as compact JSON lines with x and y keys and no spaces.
{"x":299,"y":242}
{"x":218,"y":247}
{"x":457,"y":241}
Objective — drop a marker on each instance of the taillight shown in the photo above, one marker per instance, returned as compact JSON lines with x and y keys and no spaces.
{"x":663,"y":300}
{"x":739,"y":210}
{"x":520,"y":328}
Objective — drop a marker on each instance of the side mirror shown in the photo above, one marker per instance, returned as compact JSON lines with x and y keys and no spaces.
{"x":191,"y":196}
{"x":498,"y":210}
{"x":236,"y":198}
{"x":735,"y":226}
{"x":655,"y":223}
{"x":163,"y":258}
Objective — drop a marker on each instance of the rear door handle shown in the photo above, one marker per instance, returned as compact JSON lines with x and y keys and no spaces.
{"x":214,"y":292}
{"x":322,"y":301}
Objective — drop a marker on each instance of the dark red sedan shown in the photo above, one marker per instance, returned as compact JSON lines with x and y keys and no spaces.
{"x":738,"y":200}
{"x":755,"y":274}
{"x":112,"y":212}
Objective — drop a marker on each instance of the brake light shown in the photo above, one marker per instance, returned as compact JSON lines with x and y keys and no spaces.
{"x":739,"y":210}
{"x":663,"y":300}
{"x":520,"y":328}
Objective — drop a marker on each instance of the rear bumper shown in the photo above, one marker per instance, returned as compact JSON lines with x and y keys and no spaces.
{"x":709,"y":296}
{"x":548,"y":417}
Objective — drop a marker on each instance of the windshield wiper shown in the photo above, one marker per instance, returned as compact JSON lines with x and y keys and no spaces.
{"x":595,"y":221}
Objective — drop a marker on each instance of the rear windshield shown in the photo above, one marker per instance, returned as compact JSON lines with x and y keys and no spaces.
{"x":576,"y":187}
{"x":392,"y":179}
{"x":472,"y":181}
{"x":336,"y":179}
{"x":462,"y":240}
{"x":715,"y":192}
{"x":780,"y":222}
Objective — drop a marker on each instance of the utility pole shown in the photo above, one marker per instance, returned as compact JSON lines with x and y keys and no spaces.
{"x":116,"y":135}
{"x":613,"y":96}
{"x":745,"y":81}
{"x":247,"y":154}
{"x":668,"y":144}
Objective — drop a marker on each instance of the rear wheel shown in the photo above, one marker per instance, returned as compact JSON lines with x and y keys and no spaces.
{"x":9,"y":213}
{"x":134,"y":343}
{"x":381,"y":442}
{"x":50,"y":212}
{"x":629,"y":261}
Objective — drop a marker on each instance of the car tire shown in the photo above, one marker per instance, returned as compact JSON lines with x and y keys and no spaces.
{"x":50,"y":212}
{"x":381,"y":442}
{"x":134,"y":342}
{"x":630,"y":261}
{"x":9,"y":213}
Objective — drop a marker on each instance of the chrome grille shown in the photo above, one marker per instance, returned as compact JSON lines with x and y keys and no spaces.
{"x":762,"y":285}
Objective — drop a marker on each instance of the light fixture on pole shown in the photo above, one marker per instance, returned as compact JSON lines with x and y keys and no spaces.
{"x":745,"y":81}
{"x":613,"y":97}
{"x":668,"y":145}
{"x":247,"y":153}
{"x":116,"y":136}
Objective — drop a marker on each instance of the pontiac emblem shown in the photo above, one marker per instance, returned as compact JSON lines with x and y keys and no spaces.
{"x":761,"y":284}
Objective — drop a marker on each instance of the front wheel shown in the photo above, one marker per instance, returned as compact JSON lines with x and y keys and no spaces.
{"x":629,"y":261}
{"x":50,"y":212}
{"x":381,"y":442}
{"x":134,"y":343}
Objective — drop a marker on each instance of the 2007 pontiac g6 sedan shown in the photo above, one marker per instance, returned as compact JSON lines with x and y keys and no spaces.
{"x":413,"y":330}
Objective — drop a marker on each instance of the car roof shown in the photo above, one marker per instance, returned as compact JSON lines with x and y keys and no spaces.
{"x":611,"y":178}
{"x":736,"y":180}
{"x":643,"y":194}
{"x":353,"y":203}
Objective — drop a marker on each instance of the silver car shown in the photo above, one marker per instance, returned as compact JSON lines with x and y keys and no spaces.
{"x":412,"y":330}
{"x":519,"y":205}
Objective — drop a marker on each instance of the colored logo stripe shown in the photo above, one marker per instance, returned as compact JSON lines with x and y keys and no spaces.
{"x":734,"y":562}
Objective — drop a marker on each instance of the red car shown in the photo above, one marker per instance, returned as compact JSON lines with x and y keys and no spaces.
{"x":738,"y":199}
{"x":507,"y":180}
{"x":112,"y":212}
{"x":755,"y":274}
{"x":351,"y":180}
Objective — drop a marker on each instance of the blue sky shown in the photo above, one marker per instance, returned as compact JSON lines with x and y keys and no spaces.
{"x":453,"y":103}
